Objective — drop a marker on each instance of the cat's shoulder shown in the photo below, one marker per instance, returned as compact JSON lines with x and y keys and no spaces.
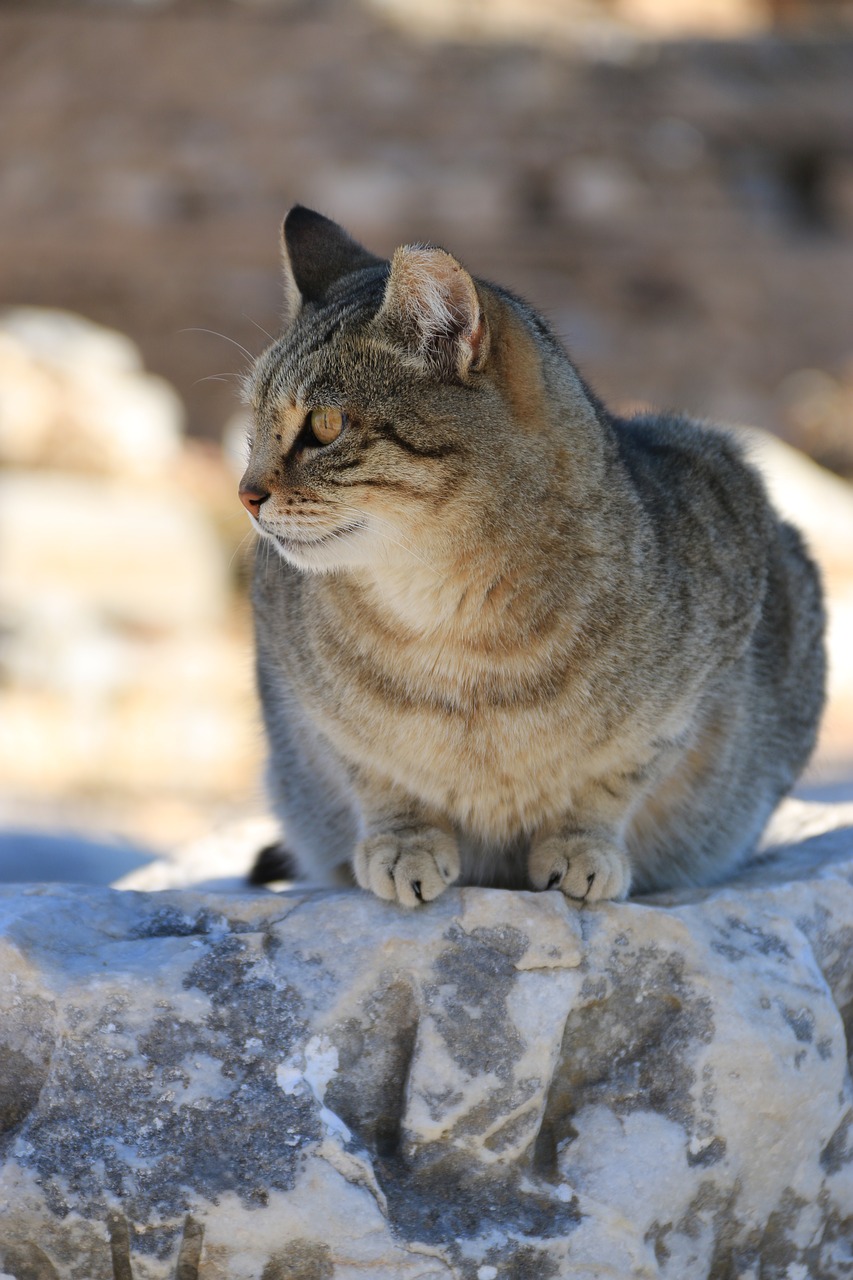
{"x":700,"y":492}
{"x":671,"y":449}
{"x":676,"y":438}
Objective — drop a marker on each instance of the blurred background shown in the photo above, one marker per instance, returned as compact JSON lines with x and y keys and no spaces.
{"x":669,"y":181}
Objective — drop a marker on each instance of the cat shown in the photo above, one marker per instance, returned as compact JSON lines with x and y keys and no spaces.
{"x":505,"y":637}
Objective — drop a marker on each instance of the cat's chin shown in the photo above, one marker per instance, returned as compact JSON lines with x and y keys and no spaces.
{"x":336,"y":550}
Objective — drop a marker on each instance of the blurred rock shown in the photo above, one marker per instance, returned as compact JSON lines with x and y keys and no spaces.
{"x":139,"y":558}
{"x":74,"y":395}
{"x":220,"y":860}
{"x":125,"y":666}
{"x":817,"y":412}
{"x":596,"y":191}
{"x":70,"y":344}
{"x":567,"y":23}
{"x":168,"y":719}
{"x":821,"y":506}
{"x":818,"y":502}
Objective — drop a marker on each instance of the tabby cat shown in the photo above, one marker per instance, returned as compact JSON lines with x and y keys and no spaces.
{"x":505,"y":637}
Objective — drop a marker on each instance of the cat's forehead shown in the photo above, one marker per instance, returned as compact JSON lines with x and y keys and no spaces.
{"x":311,"y":374}
{"x":325,"y":361}
{"x":295,"y":366}
{"x":323,"y":346}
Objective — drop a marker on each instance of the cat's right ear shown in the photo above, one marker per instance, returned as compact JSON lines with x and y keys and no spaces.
{"x":431,"y":305}
{"x":316,"y":253}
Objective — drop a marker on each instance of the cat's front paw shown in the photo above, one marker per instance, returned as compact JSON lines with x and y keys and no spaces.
{"x":411,"y":868}
{"x":583,"y":868}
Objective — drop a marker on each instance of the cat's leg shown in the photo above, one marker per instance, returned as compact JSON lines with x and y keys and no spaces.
{"x":583,"y":854}
{"x":405,"y":855}
{"x":309,"y":794}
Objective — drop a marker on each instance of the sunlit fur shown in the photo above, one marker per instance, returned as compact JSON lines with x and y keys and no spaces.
{"x":502,"y":634}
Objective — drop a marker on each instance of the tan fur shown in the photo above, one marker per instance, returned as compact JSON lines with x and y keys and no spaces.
{"x":517,"y":365}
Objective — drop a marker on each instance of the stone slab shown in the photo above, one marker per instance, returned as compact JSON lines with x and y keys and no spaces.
{"x":316,"y":1084}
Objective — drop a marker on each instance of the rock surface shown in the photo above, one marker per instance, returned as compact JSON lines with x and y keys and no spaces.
{"x":317,"y":1085}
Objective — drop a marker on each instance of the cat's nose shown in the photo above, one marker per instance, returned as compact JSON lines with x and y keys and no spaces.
{"x":252,"y":499}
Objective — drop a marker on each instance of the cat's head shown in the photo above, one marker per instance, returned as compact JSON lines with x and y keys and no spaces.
{"x":404,"y":404}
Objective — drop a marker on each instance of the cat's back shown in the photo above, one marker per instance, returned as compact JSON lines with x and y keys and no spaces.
{"x":700,"y":491}
{"x":692,"y":473}
{"x":712,"y":511}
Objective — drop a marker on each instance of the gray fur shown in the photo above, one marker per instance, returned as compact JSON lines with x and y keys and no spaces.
{"x":533,"y":644}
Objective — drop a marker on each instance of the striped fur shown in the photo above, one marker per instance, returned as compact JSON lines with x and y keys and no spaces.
{"x":504,"y":637}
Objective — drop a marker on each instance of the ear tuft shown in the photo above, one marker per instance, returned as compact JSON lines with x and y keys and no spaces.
{"x":431,"y":303}
{"x":316,"y":254}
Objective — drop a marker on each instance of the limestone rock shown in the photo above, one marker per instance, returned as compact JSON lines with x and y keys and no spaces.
{"x":319,"y":1085}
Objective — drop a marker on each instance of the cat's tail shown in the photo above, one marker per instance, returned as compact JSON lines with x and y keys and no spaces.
{"x":273,"y":862}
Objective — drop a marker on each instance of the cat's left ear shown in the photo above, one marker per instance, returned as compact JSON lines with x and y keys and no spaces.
{"x":432,"y":308}
{"x":316,"y":253}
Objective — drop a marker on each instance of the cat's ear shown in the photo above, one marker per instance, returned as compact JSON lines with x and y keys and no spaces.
{"x":316,"y":253}
{"x":431,"y":305}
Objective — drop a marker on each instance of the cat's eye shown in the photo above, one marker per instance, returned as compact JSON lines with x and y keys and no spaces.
{"x":327,"y":424}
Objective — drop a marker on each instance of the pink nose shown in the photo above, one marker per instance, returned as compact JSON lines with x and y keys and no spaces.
{"x":252,"y":500}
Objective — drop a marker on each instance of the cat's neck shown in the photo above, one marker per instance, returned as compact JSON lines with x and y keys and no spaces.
{"x":425,"y":592}
{"x":495,"y":574}
{"x":487,"y":596}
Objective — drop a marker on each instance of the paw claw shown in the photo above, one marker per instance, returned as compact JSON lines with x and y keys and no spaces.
{"x":408,"y":869}
{"x":585,"y":870}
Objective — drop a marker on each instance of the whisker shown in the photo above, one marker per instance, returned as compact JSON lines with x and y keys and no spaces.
{"x":402,"y":546}
{"x":233,"y":341}
{"x":415,"y":556}
{"x":268,"y":550}
{"x":373,"y":516}
{"x":240,"y":545}
{"x":258,"y":326}
{"x":217,"y":377}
